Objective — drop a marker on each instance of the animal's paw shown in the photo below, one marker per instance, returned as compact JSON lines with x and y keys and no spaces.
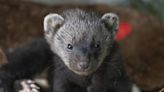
{"x":28,"y":86}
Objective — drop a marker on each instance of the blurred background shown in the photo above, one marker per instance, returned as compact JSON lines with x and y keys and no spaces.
{"x":141,"y":33}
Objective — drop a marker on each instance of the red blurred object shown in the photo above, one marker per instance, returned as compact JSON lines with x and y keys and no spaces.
{"x":124,"y":29}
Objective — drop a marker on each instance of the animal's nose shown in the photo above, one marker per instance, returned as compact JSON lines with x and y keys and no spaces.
{"x":83,"y":65}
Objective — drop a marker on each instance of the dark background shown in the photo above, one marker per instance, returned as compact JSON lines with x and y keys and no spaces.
{"x":142,"y":49}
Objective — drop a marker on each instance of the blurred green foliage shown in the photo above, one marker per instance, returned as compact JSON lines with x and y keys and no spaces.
{"x":155,"y":7}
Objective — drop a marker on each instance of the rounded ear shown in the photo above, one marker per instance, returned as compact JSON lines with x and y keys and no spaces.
{"x":111,"y":22}
{"x":52,"y":22}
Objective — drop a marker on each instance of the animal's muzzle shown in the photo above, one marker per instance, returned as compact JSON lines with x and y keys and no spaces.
{"x":83,"y":65}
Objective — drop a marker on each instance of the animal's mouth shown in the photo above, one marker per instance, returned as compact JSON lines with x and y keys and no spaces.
{"x":82,"y":67}
{"x":85,"y":72}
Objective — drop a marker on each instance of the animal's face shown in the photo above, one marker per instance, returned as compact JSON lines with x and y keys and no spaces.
{"x":81,"y":44}
{"x":82,"y":49}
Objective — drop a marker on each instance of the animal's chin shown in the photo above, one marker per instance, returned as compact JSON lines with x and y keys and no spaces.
{"x":84,"y":72}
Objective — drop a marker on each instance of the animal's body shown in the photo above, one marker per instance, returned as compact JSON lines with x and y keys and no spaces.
{"x":78,"y":50}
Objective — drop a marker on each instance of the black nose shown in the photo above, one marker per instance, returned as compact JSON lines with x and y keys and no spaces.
{"x":83,"y":65}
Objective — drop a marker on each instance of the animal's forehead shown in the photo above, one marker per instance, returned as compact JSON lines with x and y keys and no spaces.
{"x":82,"y":24}
{"x":77,"y":29}
{"x":82,"y":29}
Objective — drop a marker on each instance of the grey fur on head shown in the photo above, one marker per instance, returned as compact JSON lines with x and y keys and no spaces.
{"x":82,"y":30}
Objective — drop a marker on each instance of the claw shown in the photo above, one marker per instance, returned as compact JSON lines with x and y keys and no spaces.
{"x":29,"y":86}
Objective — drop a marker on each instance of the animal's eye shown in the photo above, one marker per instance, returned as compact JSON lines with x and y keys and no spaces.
{"x":96,"y":45}
{"x":69,"y":46}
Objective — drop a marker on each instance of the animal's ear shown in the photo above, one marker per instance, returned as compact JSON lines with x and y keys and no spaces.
{"x":111,"y":22}
{"x":52,"y":22}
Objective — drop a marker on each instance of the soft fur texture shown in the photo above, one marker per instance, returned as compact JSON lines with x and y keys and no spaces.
{"x":92,"y":39}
